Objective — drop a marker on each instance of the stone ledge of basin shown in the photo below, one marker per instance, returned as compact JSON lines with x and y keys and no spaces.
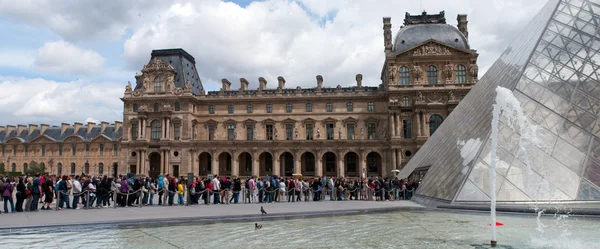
{"x":427,"y":201}
{"x":525,"y":208}
{"x":221,"y":218}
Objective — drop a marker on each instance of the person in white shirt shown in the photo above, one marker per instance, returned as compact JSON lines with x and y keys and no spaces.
{"x":281,"y":189}
{"x":76,"y":186}
{"x":216,"y":189}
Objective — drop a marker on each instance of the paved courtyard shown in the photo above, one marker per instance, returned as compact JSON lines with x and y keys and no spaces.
{"x":48,"y":218}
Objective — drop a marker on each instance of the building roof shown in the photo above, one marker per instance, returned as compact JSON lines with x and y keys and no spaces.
{"x":54,"y":133}
{"x":420,"y":28}
{"x":183,"y":63}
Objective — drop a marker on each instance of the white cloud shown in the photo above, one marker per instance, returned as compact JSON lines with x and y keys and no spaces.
{"x":39,"y":100}
{"x":64,"y":58}
{"x":16,"y":57}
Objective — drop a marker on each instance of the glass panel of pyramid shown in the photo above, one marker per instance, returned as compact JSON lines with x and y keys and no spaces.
{"x":553,"y":69}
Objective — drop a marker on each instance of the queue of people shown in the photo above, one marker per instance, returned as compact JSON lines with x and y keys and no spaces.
{"x":85,"y":191}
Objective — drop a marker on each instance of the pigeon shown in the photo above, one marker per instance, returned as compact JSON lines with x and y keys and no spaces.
{"x":257,"y":226}
{"x":262,"y":210}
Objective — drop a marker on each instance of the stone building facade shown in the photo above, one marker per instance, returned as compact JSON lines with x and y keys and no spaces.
{"x":172,"y":125}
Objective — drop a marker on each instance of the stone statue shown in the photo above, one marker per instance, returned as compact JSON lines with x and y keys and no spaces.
{"x":275,"y":133}
{"x":417,"y":72}
{"x":254,"y":135}
{"x":318,"y":133}
{"x":451,"y":96}
{"x":214,"y":135}
{"x":473,"y":69}
{"x":128,"y":87}
{"x":234,"y":134}
{"x":384,"y":133}
{"x":393,"y":73}
{"x":448,"y":70}
{"x":362,"y":133}
{"x":188,"y":85}
{"x":420,"y":96}
{"x":340,"y":133}
{"x":146,"y":84}
{"x":194,"y":132}
{"x":170,"y":83}
{"x":296,"y":133}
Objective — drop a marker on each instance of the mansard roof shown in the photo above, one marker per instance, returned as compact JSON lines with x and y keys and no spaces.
{"x":54,"y":133}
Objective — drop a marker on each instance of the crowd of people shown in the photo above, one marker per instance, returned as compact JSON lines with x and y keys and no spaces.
{"x":85,"y":191}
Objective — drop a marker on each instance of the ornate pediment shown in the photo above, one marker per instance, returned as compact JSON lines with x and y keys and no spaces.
{"x":268,"y":121}
{"x":157,"y":64}
{"x":350,"y":120}
{"x":288,"y":120}
{"x":41,"y":140}
{"x":329,"y":120}
{"x":249,"y":121}
{"x":308,"y":121}
{"x":432,"y":48}
{"x":372,"y":120}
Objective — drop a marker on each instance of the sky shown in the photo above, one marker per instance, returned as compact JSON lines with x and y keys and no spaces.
{"x":66,"y":61}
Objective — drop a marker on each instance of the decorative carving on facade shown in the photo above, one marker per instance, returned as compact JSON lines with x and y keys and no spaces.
{"x":393,"y":73}
{"x":420,"y":96}
{"x":393,"y":102}
{"x":177,"y":91}
{"x":170,"y":83}
{"x":417,"y":72}
{"x":384,"y":133}
{"x":431,"y":49}
{"x":146,"y":83}
{"x":143,"y":108}
{"x":435,"y":98}
{"x":362,"y":133}
{"x":474,"y":70}
{"x":157,"y":65}
{"x":166,"y":108}
{"x":318,"y":133}
{"x":451,"y":96}
{"x":448,"y":70}
{"x":128,"y":87}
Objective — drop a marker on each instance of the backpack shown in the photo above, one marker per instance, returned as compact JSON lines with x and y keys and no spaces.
{"x":57,"y":184}
{"x":260,"y":185}
{"x":193,"y":190}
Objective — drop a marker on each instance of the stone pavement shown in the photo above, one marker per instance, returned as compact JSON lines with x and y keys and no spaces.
{"x":199,"y":213}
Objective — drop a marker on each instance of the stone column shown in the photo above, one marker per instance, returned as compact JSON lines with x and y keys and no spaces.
{"x":319,"y":165}
{"x":192,"y":161}
{"x":276,"y":165}
{"x":140,"y":128}
{"x":398,"y":125}
{"x":235,"y":166}
{"x":391,"y":128}
{"x":255,"y":166}
{"x":341,"y":166}
{"x":424,"y":125}
{"x":167,"y":153}
{"x":163,"y":168}
{"x":398,"y":158}
{"x":363,"y":165}
{"x":297,"y":164}
{"x":168,"y":128}
{"x":139,"y":161}
{"x":214,"y":164}
{"x":393,"y":156}
{"x":427,"y":125}
{"x":418,"y":124}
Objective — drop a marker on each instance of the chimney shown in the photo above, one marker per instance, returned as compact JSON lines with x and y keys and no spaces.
{"x":90,"y":125}
{"x":262,"y":83}
{"x":462,"y":25}
{"x":32,"y":128}
{"x":359,"y":80}
{"x":63,"y":127}
{"x":2,"y":128}
{"x":10,"y":129}
{"x":387,"y":34}
{"x":103,"y":126}
{"x":243,"y":84}
{"x":281,"y":82}
{"x":226,"y":85}
{"x":319,"y":81}
{"x":118,"y":125}
{"x":77,"y":126}
{"x":43,"y":129}
{"x":20,"y":128}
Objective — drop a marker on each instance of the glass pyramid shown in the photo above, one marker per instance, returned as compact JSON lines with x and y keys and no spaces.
{"x":553,"y":70}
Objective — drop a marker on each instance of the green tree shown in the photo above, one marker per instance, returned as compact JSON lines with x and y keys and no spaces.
{"x":2,"y":169}
{"x":34,"y":168}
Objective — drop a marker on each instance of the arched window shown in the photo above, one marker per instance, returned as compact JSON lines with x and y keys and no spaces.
{"x":157,"y":84}
{"x":434,"y":122}
{"x":405,"y":101}
{"x":72,"y":168}
{"x":100,"y":168}
{"x":59,"y":169}
{"x":432,"y":75}
{"x":86,"y":168}
{"x":461,"y":74}
{"x":156,"y":129}
{"x":404,"y":76}
{"x":156,"y":107}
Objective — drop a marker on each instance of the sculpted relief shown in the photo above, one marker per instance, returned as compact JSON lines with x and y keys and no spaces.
{"x":431,"y":49}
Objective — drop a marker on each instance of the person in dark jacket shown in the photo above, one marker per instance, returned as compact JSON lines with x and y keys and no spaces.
{"x":20,"y":195}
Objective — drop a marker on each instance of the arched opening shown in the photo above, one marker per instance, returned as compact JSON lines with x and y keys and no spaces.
{"x":245,"y":164}
{"x":13,"y":167}
{"x":286,"y":161}
{"x":59,"y":169}
{"x":351,"y":164}
{"x":154,"y":165}
{"x":73,"y":168}
{"x":25,"y":168}
{"x":374,"y":164}
{"x":225,"y":162}
{"x":434,"y":122}
{"x":43,"y":167}
{"x":86,"y":168}
{"x":308,"y":164}
{"x":204,"y":164}
{"x":115,"y":169}
{"x":100,"y":168}
{"x":265,"y":161}
{"x":329,"y":164}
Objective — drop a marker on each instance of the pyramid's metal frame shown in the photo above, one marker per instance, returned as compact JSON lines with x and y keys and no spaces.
{"x":553,"y":69}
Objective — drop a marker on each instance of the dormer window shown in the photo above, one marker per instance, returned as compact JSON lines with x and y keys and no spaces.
{"x":157,"y":84}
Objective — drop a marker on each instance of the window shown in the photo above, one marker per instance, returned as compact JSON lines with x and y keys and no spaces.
{"x":288,"y":108}
{"x":407,"y":128}
{"x":155,"y":107}
{"x":269,"y":132}
{"x":230,"y":109}
{"x":59,"y":168}
{"x":157,"y":84}
{"x":26,"y":150}
{"x":176,"y":131}
{"x":461,"y":74}
{"x":432,"y":75}
{"x":102,"y":149}
{"x":249,"y":108}
{"x":371,"y":107}
{"x":211,"y":109}
{"x":43,"y":150}
{"x":100,"y":168}
{"x":25,"y":167}
{"x":14,"y":150}
{"x":74,"y":149}
{"x":72,"y":168}
{"x":350,"y":107}
{"x":177,"y":106}
{"x":308,"y":107}
{"x":135,"y":107}
{"x":115,"y":149}
{"x":3,"y":150}
{"x":329,"y":107}
{"x":269,"y":108}
{"x":350,"y":131}
{"x":134,"y":131}
{"x":434,"y":122}
{"x":60,"y":149}
{"x":309,"y":131}
{"x":405,"y":101}
{"x":250,"y":132}
{"x":289,"y":131}
{"x":230,"y":132}
{"x":329,"y":128}
{"x":404,"y":76}
{"x":87,"y":149}
{"x":372,"y":131}
{"x":211,"y":132}
{"x":86,"y":168}
{"x":156,"y":129}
